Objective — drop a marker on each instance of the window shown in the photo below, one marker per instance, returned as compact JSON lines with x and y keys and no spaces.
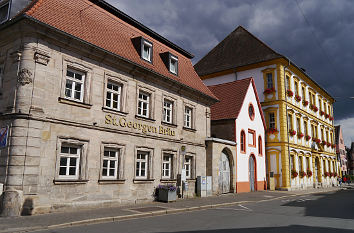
{"x":292,"y":162}
{"x":316,"y":131}
{"x":188,"y":166}
{"x":187,"y":117}
{"x":270,"y":80}
{"x":243,"y":141}
{"x":290,"y":122}
{"x":167,"y":111}
{"x":320,"y":103}
{"x":305,"y":128}
{"x":271,"y":120}
{"x":322,"y":135}
{"x":69,"y":161}
{"x":4,"y":12}
{"x":173,"y":64}
{"x":251,"y":111}
{"x":303,"y":93}
{"x":298,"y":125}
{"x":260,"y":145}
{"x":143,"y":104}
{"x":74,"y":85}
{"x":251,"y":138}
{"x":308,"y":163}
{"x":113,"y":95}
{"x":110,"y":163}
{"x":167,"y":166}
{"x":300,"y":163}
{"x":146,"y":50}
{"x":296,"y":88}
{"x":288,"y":83}
{"x":141,"y":165}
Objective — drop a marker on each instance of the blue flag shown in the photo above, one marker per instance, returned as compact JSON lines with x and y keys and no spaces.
{"x":3,"y":137}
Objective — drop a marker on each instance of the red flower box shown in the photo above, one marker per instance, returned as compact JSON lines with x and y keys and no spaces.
{"x":309,"y":173}
{"x":326,"y":115}
{"x":326,"y":174}
{"x":324,"y":142}
{"x":292,"y":132}
{"x":333,"y":145}
{"x":294,"y":173}
{"x":317,"y":140}
{"x":331,"y":174}
{"x":322,"y":113}
{"x":328,"y":144}
{"x":290,"y":93}
{"x":331,"y":118}
{"x":269,"y":90}
{"x":305,"y":102}
{"x":297,"y":98}
{"x":313,"y":107}
{"x":307,"y":137}
{"x":302,"y":174}
{"x":272,"y":130}
{"x":300,"y":135}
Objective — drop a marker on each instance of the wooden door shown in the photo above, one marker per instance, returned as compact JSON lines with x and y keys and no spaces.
{"x":252,"y":174}
{"x":224,"y":173}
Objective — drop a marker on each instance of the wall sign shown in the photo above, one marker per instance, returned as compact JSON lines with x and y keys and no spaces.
{"x":144,"y":128}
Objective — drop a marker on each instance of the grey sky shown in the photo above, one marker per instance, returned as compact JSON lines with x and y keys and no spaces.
{"x":321,"y":42}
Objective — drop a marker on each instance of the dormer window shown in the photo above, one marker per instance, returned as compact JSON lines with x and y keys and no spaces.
{"x":173,"y":64}
{"x":146,"y":50}
{"x":4,"y":12}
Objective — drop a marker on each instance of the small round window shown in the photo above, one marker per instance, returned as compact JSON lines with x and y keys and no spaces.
{"x":251,"y":112}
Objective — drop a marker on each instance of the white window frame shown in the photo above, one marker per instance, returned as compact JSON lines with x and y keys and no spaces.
{"x":188,"y":116}
{"x":139,"y":162}
{"x":272,"y":121}
{"x":109,"y":160}
{"x":168,"y":111}
{"x":8,"y":11}
{"x":270,"y":81}
{"x":69,"y":157}
{"x":188,"y":166}
{"x":175,"y":64}
{"x":75,"y":81}
{"x":141,"y":102}
{"x":146,"y":44}
{"x":167,"y":166}
{"x":110,"y":92}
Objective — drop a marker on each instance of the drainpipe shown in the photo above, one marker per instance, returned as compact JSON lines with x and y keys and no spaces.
{"x":287,"y":120}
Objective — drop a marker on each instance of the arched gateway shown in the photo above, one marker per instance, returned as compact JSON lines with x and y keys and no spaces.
{"x":252,"y":173}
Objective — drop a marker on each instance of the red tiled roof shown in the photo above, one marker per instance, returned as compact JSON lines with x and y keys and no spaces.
{"x":91,"y":23}
{"x":232,"y":96}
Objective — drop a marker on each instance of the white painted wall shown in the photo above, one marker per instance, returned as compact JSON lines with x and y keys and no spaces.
{"x":244,"y":122}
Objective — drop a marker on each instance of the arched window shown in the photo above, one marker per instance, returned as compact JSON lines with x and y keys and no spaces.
{"x":260,"y":145}
{"x":243,"y":141}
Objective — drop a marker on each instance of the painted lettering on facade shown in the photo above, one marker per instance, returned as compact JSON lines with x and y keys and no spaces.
{"x":144,"y":128}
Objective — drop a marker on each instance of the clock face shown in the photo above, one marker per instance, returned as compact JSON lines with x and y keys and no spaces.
{"x":251,"y":111}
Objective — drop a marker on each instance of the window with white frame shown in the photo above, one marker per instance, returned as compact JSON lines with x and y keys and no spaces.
{"x":269,"y":80}
{"x":146,"y":50}
{"x":110,"y":163}
{"x":69,"y":161}
{"x":142,"y":165}
{"x":188,"y":117}
{"x":167,"y":166}
{"x":4,"y":11}
{"x":74,"y":85}
{"x":188,"y":166}
{"x":271,"y":120}
{"x":113,"y":95}
{"x":173,"y":64}
{"x":167,"y":111}
{"x":143,"y":104}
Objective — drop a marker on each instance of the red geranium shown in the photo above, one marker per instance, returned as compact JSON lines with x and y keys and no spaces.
{"x":328,"y":144}
{"x":309,"y":173}
{"x":326,"y":116}
{"x":302,"y":173}
{"x":322,"y":113}
{"x":294,"y":173}
{"x":272,"y":130}
{"x":326,"y":174}
{"x":331,"y":118}
{"x":290,"y":93}
{"x":292,"y":132}
{"x":324,"y":142}
{"x":305,"y":102}
{"x":269,"y":90}
{"x":300,"y":135}
{"x":297,"y":98}
{"x":307,"y":137}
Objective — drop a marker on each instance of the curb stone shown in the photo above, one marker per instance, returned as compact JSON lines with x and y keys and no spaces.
{"x":149,"y":214}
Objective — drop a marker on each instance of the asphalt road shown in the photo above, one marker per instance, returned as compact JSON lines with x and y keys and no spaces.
{"x":323,"y":212}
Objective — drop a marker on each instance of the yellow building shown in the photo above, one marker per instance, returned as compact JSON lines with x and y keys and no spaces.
{"x":299,"y":112}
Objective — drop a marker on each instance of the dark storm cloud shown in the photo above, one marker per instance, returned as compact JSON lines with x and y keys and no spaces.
{"x":324,"y":47}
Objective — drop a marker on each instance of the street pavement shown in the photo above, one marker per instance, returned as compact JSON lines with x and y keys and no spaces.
{"x":324,"y":210}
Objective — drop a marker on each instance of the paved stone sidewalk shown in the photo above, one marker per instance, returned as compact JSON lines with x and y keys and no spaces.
{"x":98,"y":215}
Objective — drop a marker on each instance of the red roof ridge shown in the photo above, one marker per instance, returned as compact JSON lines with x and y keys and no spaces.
{"x":232,"y":83}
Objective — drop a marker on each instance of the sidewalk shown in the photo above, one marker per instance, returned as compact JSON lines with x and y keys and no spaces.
{"x":92,"y":216}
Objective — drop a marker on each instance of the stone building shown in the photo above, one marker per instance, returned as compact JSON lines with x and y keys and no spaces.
{"x":341,"y":151}
{"x":99,"y":108}
{"x":238,"y":117}
{"x":300,"y":145}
